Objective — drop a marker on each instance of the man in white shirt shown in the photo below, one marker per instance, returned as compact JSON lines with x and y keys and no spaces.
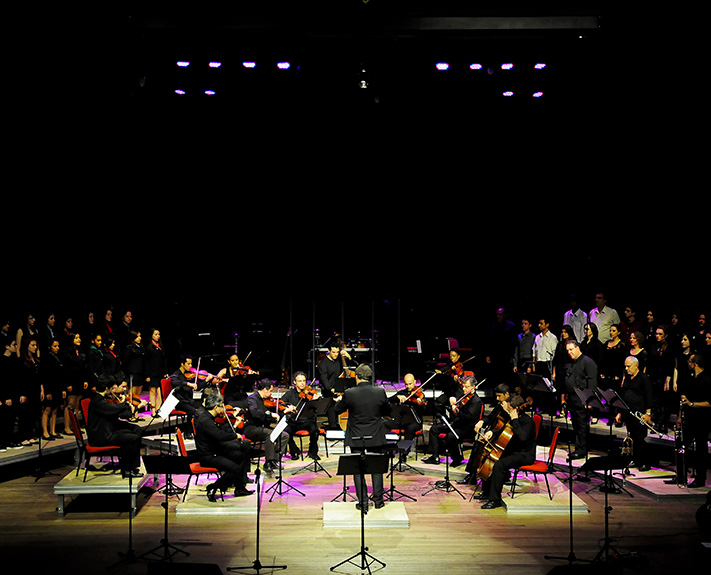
{"x":603,"y":317}
{"x":576,"y":318}
{"x":544,"y":348}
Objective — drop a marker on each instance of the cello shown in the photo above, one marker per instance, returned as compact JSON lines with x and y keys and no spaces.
{"x":493,"y":450}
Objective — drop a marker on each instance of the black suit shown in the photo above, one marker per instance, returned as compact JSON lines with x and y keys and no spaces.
{"x":463,"y":422}
{"x":366,"y":406}
{"x":218,"y":447}
{"x":581,"y":375}
{"x":106,"y":425}
{"x":637,"y":395}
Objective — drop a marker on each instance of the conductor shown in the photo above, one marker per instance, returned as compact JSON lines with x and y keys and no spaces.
{"x":366,"y":406}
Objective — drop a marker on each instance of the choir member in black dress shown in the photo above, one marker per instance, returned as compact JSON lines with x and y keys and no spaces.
{"x":156,"y":367}
{"x":53,"y":381}
{"x":133,"y":361}
{"x":9,"y":396}
{"x":29,"y":391}
{"x":77,"y":377}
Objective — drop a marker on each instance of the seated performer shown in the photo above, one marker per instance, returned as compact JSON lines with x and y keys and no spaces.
{"x":220,"y":447}
{"x":520,"y":450}
{"x":301,"y":415}
{"x":330,"y":369}
{"x":497,"y":417}
{"x":185,"y":381}
{"x":413,"y":398}
{"x":234,"y":379}
{"x":366,"y":405}
{"x":261,"y":418}
{"x":450,"y":385}
{"x":465,"y":413}
{"x":107,"y":424}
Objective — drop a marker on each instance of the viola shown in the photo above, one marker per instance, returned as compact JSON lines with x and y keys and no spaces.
{"x":271,"y":402}
{"x":417,"y":396}
{"x":231,"y":414}
{"x":308,"y":393}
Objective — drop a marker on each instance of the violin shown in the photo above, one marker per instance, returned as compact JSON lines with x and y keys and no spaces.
{"x":417,"y":396}
{"x":308,"y":393}
{"x":232,"y":415}
{"x":271,"y":402}
{"x":201,"y":374}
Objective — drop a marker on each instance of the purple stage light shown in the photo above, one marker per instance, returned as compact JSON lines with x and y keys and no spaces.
{"x":215,"y":64}
{"x":209,"y":92}
{"x":540,"y":66}
{"x":249,"y":65}
{"x":442,"y":66}
{"x":508,"y":94}
{"x":507,"y":66}
{"x":475,"y":66}
{"x":283,"y":65}
{"x":180,"y":92}
{"x":538,"y":94}
{"x":182,"y":64}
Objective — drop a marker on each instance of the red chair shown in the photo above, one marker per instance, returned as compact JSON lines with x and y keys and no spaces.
{"x":165,"y":388}
{"x":539,"y":466}
{"x":195,"y":468}
{"x":87,"y":451}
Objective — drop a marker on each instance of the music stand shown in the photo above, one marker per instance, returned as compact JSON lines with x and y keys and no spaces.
{"x":446,"y":485}
{"x":362,"y":464}
{"x":400,"y":446}
{"x":277,"y":487}
{"x":167,"y":465}
{"x":613,"y":401}
{"x":256,"y":564}
{"x":588,"y":398}
{"x":164,"y":412}
{"x":314,"y":405}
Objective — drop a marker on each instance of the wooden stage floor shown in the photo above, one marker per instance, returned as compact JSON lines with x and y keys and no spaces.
{"x":310,"y":525}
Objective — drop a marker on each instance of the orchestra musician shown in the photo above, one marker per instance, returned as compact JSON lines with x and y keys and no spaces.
{"x":637,"y":395}
{"x":234,"y":376}
{"x":412,"y":397}
{"x":263,"y":413}
{"x":108,"y":422}
{"x":366,"y":405}
{"x":492,"y":421}
{"x":303,"y":414}
{"x":329,"y":370}
{"x":465,"y":413}
{"x":185,"y":382}
{"x":696,"y":403}
{"x":520,"y":450}
{"x":450,"y":385}
{"x":219,"y":446}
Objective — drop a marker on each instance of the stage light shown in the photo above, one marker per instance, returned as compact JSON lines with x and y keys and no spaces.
{"x":538,"y":94}
{"x":540,"y":66}
{"x":508,"y":94}
{"x":182,"y":64}
{"x":250,"y":65}
{"x":215,"y":64}
{"x":507,"y":66}
{"x":442,"y":66}
{"x":283,"y":65}
{"x":476,"y":66}
{"x":180,"y":92}
{"x":209,"y":92}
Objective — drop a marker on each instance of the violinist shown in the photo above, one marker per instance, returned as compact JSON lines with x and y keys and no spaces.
{"x":455,"y":371}
{"x":262,"y":416}
{"x":520,"y":450}
{"x":185,"y":382}
{"x":465,"y":412}
{"x":218,"y":446}
{"x":413,"y":397}
{"x":107,"y":423}
{"x":495,"y":419}
{"x":329,"y":370}
{"x":235,"y":378}
{"x":303,"y":414}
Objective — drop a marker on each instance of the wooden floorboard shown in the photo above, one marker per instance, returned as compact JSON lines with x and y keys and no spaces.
{"x":446,"y":533}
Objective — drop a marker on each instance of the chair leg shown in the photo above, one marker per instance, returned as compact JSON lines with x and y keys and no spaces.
{"x":187,"y":486}
{"x":513,"y":483}
{"x":550,"y":495}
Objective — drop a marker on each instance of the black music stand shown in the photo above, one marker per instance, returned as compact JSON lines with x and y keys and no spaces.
{"x":318,"y":406}
{"x":613,"y":401}
{"x":277,"y":487}
{"x":445,"y":484}
{"x":399,"y":447}
{"x":362,"y":464}
{"x":256,"y":564}
{"x":167,"y":465}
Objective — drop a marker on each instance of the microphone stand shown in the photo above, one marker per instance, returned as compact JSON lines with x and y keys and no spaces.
{"x":257,"y":564}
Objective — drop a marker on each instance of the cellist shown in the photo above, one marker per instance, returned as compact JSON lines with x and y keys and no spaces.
{"x":493,"y":421}
{"x":519,"y":450}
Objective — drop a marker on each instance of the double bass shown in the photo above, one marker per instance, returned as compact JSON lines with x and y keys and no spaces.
{"x":492,"y":450}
